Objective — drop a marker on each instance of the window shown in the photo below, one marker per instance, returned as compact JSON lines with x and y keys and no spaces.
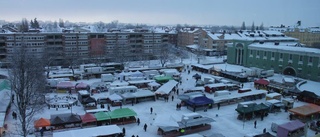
{"x":290,"y":56}
{"x":280,"y":56}
{"x":310,"y":59}
{"x":300,"y":58}
{"x":257,"y":53}
{"x":265,"y":54}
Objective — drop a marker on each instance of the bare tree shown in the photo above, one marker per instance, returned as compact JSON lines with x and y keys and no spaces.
{"x":100,"y":26}
{"x":72,"y":62}
{"x":48,"y":59}
{"x":27,"y":78}
{"x":164,"y":55}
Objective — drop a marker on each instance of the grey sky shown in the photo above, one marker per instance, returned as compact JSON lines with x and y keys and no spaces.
{"x":201,"y":12}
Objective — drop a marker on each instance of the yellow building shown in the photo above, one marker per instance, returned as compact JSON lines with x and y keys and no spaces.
{"x":307,"y":37}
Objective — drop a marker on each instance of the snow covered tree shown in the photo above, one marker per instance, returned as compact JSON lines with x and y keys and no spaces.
{"x":28,"y":82}
{"x":252,"y":27}
{"x":261,"y":27}
{"x":31,"y":24}
{"x":36,"y":23}
{"x":243,"y":27}
{"x":61,"y":23}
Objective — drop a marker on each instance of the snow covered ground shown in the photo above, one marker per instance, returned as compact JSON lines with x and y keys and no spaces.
{"x":226,"y":122}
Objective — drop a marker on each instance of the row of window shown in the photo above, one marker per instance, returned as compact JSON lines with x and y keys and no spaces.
{"x":29,"y":44}
{"x":310,"y":59}
{"x":75,"y":48}
{"x":76,"y":43}
{"x":28,"y":50}
{"x":75,"y":54}
{"x":75,"y":37}
{"x":25,"y":38}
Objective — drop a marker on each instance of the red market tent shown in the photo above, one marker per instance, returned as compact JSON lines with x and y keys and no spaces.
{"x":262,"y":82}
{"x":65,"y":84}
{"x":86,"y":118}
{"x":81,"y":85}
{"x":42,"y":122}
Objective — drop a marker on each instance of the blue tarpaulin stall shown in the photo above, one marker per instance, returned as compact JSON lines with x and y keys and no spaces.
{"x":199,"y":103}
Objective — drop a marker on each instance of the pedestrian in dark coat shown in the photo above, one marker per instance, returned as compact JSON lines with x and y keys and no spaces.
{"x":124,"y":131}
{"x":172,"y":97}
{"x":177,"y":106}
{"x":138,"y":121}
{"x":109,"y":108}
{"x":151,"y":110}
{"x":145,"y":127}
{"x":132,"y":136}
{"x":218,"y":106}
{"x":264,"y":130}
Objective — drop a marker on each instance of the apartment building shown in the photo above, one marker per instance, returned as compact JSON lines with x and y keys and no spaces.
{"x":77,"y":47}
{"x":190,"y":36}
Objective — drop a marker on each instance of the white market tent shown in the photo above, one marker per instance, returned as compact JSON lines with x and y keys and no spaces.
{"x":237,"y":95}
{"x":167,"y":121}
{"x":119,"y":84}
{"x":90,"y":132}
{"x":143,"y":93}
{"x":115,"y":97}
{"x":167,"y":87}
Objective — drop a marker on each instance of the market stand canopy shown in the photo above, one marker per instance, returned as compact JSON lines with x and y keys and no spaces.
{"x":101,"y":116}
{"x":65,"y":84}
{"x":88,"y":117}
{"x":255,"y":108}
{"x":42,"y":122}
{"x":306,"y":110}
{"x":261,"y":82}
{"x":81,"y":85}
{"x":163,"y":79}
{"x":166,"y":88}
{"x":62,"y":119}
{"x":122,"y":112}
{"x":202,"y":100}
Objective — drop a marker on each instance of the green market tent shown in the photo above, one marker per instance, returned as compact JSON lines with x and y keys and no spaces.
{"x":121,"y":113}
{"x":101,"y":116}
{"x":163,"y":79}
{"x":4,"y":85}
{"x":255,"y":108}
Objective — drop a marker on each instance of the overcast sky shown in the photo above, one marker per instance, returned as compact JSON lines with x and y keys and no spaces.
{"x":199,"y":12}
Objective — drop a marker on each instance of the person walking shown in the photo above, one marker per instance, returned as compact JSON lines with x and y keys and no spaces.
{"x":138,"y":121}
{"x":264,"y":130}
{"x":145,"y":127}
{"x":177,"y":106}
{"x":172,"y":97}
{"x":255,"y":124}
{"x":132,"y":136}
{"x":109,"y":107}
{"x":123,"y":131}
{"x":218,"y":106}
{"x":151,"y":110}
